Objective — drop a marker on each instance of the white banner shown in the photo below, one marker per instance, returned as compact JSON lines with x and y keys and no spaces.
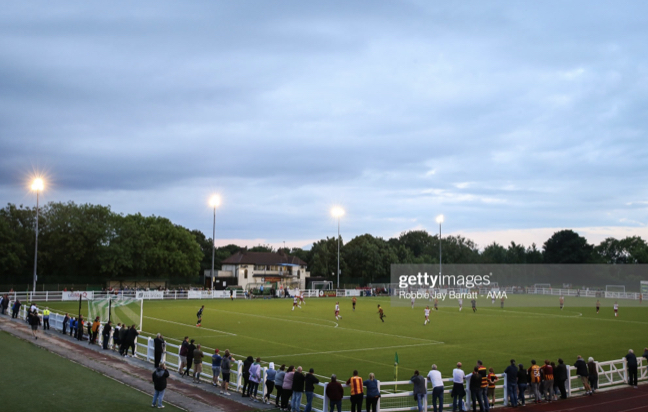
{"x":150,"y":294}
{"x":199,"y":294}
{"x":75,"y":295}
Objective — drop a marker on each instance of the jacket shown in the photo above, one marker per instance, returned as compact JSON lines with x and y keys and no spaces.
{"x":160,"y":376}
{"x":279,"y":378}
{"x":246,"y":366}
{"x":309,"y":382}
{"x":298,"y":382}
{"x":334,"y":391}
{"x":288,"y":380}
{"x":581,"y":368}
{"x":255,"y":373}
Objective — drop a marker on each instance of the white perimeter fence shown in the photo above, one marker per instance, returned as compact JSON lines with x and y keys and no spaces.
{"x":395,"y":395}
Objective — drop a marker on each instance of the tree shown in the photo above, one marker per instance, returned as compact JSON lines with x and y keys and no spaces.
{"x":324,"y":258}
{"x":369,"y":258}
{"x":494,"y":253}
{"x":515,"y":254}
{"x":533,"y":255}
{"x":566,"y":246}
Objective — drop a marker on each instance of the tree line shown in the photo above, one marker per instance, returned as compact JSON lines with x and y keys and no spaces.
{"x":91,"y":243}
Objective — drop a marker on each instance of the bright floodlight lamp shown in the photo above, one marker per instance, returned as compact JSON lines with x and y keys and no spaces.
{"x":439,"y":219}
{"x":215,"y":201}
{"x":37,"y":186}
{"x":337,"y":212}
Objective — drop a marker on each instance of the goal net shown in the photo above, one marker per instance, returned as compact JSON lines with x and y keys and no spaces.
{"x":118,"y":310}
{"x":615,"y":288}
{"x":542,"y":286}
{"x":322,"y":285}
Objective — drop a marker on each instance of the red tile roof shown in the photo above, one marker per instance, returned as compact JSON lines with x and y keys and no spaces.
{"x":262,"y":258}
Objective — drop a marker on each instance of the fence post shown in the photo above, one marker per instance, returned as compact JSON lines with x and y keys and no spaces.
{"x":505,"y":390}
{"x":263,"y":379}
{"x":325,"y":406}
{"x":47,"y":296}
{"x":150,"y":349}
{"x":239,"y":375}
{"x":568,"y":381}
{"x":625,"y":370}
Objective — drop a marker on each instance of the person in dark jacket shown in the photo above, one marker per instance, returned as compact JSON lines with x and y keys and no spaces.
{"x":159,"y":348}
{"x":34,"y":321}
{"x":475,"y":388}
{"x":246,"y":375}
{"x":334,"y":392}
{"x":560,"y":375}
{"x":522,"y":384}
{"x":581,"y":370}
{"x":373,"y":394}
{"x":160,"y":376}
{"x":309,"y":388}
{"x":66,"y":322}
{"x":79,"y":328}
{"x":511,"y":382}
{"x":116,"y":341}
{"x":420,"y":390}
{"x":592,"y":374}
{"x":132,"y":338}
{"x":190,"y":352}
{"x":15,"y":309}
{"x":631,"y":361}
{"x":105,"y":334}
{"x":298,"y":389}
{"x":645,"y":354}
{"x":123,"y":340}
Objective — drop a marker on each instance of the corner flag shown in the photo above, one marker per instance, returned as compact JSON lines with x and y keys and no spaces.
{"x":395,"y":368}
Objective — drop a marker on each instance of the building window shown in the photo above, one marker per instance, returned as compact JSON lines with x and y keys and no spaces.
{"x":245,"y":274}
{"x":298,"y":274}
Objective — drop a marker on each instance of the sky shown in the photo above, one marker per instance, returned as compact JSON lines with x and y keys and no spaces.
{"x":513,"y":119}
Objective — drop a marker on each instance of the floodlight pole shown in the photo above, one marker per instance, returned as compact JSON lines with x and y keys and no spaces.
{"x":213,"y":249}
{"x":338,"y":254}
{"x":36,"y":245}
{"x":440,"y":255}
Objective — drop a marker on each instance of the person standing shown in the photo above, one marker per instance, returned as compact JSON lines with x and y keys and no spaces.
{"x":502,"y":303}
{"x":357,"y":391}
{"x":434,"y":377}
{"x":297,"y":390}
{"x":184,"y":349}
{"x":560,"y":376}
{"x":581,"y":370}
{"x":198,"y":356}
{"x":309,"y":388}
{"x":217,"y":359}
{"x":73,"y":323}
{"x":226,"y":364}
{"x":5,"y":304}
{"x":66,"y":322}
{"x":592,"y":374}
{"x":255,"y":379}
{"x":483,"y":391}
{"x":335,"y":393}
{"x":373,"y":394}
{"x":511,"y":372}
{"x":492,"y":381}
{"x":631,"y":361}
{"x":598,"y":306}
{"x":190,"y":350}
{"x":279,"y":378}
{"x":474,"y":384}
{"x":436,"y":304}
{"x":420,"y":390}
{"x":337,"y":311}
{"x":46,"y":316}
{"x":460,"y":301}
{"x":616,"y":309}
{"x":160,"y":376}
{"x":381,"y":314}
{"x":116,"y":341}
{"x":427,"y":315}
{"x":95,"y":330}
{"x":458,"y":391}
{"x":246,"y":376}
{"x":548,"y":384}
{"x":287,"y":387}
{"x":473,"y":303}
{"x":645,"y":354}
{"x":270,"y":376}
{"x":534,"y":376}
{"x":15,"y":309}
{"x":522,"y":384}
{"x":562,"y":302}
{"x":34,"y":321}
{"x":105,"y":336}
{"x":353,"y":301}
{"x":199,"y":316}
{"x":132,"y":339}
{"x":159,"y":347}
{"x":79,"y":328}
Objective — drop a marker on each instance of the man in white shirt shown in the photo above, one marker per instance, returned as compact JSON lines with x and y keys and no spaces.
{"x":434,"y":376}
{"x":458,"y":391}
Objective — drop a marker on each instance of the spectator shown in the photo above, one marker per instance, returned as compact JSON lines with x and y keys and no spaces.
{"x":116,"y":341}
{"x":511,"y":372}
{"x":309,"y":388}
{"x":492,"y":380}
{"x":73,"y":323}
{"x":246,"y":376}
{"x":90,"y":324}
{"x":474,"y":384}
{"x":372,"y":393}
{"x":160,"y":376}
{"x":123,"y":340}
{"x":458,"y":392}
{"x":105,"y":336}
{"x":287,"y":387}
{"x":217,"y":359}
{"x":483,"y":392}
{"x":132,"y":338}
{"x":226,"y":364}
{"x":198,"y":356}
{"x":34,"y":321}
{"x":5,"y":304}
{"x":522,"y":383}
{"x":631,"y":361}
{"x":46,"y":316}
{"x":79,"y":328}
{"x":190,"y":350}
{"x":298,"y":390}
{"x":592,"y":374}
{"x":279,"y":385}
{"x":66,"y":322}
{"x":434,"y":376}
{"x":357,"y":392}
{"x":159,"y":346}
{"x":560,"y":375}
{"x":536,"y":380}
{"x":271,"y":375}
{"x":255,"y":378}
{"x":645,"y":354}
{"x":581,"y":370}
{"x":334,"y":392}
{"x":184,"y":349}
{"x":548,"y":384}
{"x":420,"y":390}
{"x":15,"y":309}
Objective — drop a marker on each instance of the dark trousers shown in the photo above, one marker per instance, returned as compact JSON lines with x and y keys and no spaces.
{"x":106,"y":338}
{"x":285,"y":396}
{"x":437,"y":395}
{"x":246,"y":384}
{"x":64,"y":328}
{"x":158,"y":358}
{"x":279,"y":396}
{"x":522,"y":387}
{"x":632,"y":375}
{"x":372,"y":403}
{"x":46,"y":323}
{"x":269,"y":389}
{"x":562,"y":389}
{"x":94,"y":337}
{"x":475,"y":397}
{"x":189,"y":363}
{"x":14,"y":314}
{"x":356,"y":402}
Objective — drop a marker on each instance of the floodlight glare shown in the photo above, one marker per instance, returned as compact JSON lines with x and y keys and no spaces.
{"x":439,"y":219}
{"x":215,"y":201}
{"x":37,"y":185}
{"x":337,"y":212}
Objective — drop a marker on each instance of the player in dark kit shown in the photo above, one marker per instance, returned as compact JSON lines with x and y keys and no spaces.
{"x":199,"y":315}
{"x":474,"y":305}
{"x":354,"y":300}
{"x":381,"y":313}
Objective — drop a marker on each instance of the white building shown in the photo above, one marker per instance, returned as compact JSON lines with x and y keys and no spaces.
{"x":265,"y":268}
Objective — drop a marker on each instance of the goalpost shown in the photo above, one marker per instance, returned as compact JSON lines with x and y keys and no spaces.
{"x":615,"y":288}
{"x":118,"y":309}
{"x":322,"y":285}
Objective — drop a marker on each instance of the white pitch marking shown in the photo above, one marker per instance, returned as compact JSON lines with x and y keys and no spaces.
{"x":352,"y":350}
{"x":190,"y":326}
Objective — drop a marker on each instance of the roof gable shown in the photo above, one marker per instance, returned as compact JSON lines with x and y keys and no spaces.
{"x":262,"y":258}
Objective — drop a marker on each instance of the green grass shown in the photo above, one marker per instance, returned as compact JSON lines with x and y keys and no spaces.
{"x":530,"y":327}
{"x":38,"y":380}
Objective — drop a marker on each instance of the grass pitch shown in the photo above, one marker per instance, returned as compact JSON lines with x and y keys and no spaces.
{"x":529,"y":327}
